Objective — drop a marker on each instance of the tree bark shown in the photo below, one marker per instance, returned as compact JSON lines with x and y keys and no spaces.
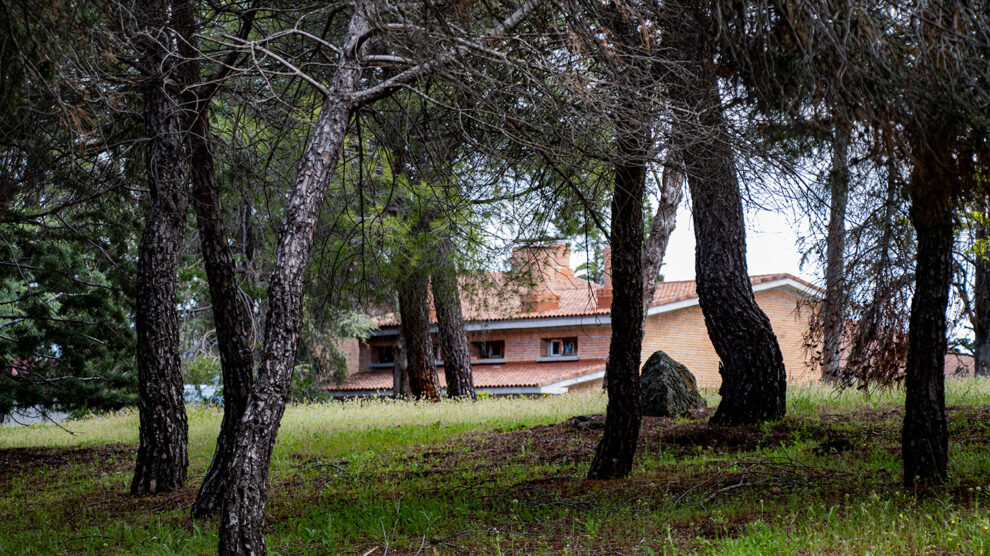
{"x":833,"y":309}
{"x":415,"y":329}
{"x":614,"y":454}
{"x":925,"y":438}
{"x":981,"y":295}
{"x":632,"y":121}
{"x":664,"y":221}
{"x":450,"y":324}
{"x":400,"y":374}
{"x":162,"y":459}
{"x":243,"y":509}
{"x":752,"y":368}
{"x":231,"y":314}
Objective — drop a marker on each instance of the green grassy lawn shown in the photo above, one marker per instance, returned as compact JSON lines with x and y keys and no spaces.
{"x":507,"y":476}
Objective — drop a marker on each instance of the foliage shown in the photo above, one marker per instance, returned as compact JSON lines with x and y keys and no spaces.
{"x":322,"y":360}
{"x":66,"y":323}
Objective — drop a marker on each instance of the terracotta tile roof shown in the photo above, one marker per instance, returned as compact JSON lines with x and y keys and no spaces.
{"x":508,"y":375}
{"x":492,"y":296}
{"x":672,"y":292}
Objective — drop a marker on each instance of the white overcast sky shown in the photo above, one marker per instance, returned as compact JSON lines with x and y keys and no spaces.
{"x":771,"y":246}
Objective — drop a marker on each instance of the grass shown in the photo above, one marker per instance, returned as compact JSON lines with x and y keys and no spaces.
{"x":505,"y":476}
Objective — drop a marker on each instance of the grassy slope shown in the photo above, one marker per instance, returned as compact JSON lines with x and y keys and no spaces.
{"x":350,"y":477}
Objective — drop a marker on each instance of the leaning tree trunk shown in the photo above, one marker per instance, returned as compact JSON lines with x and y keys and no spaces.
{"x":981,"y":296}
{"x":614,"y":454}
{"x":632,"y":121}
{"x":162,"y":459}
{"x":833,"y":309}
{"x":414,"y":326}
{"x":752,"y":368}
{"x":243,"y":510}
{"x":925,"y":438}
{"x":231,"y":314}
{"x":450,"y":324}
{"x":664,"y":221}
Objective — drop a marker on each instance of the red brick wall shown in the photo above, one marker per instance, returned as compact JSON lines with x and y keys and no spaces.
{"x":527,"y":344}
{"x":352,"y":352}
{"x":683,"y":336}
{"x":680,"y":333}
{"x":521,"y":345}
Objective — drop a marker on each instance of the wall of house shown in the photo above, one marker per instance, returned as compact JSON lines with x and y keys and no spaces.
{"x":682,"y":334}
{"x":352,"y":352}
{"x":521,"y":345}
{"x":526,"y":345}
{"x":364,"y":360}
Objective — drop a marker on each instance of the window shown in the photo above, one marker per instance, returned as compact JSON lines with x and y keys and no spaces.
{"x":488,"y":350}
{"x":383,"y":354}
{"x":560,"y":347}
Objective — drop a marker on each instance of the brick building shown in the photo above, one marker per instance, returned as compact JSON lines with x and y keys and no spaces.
{"x":540,"y":329}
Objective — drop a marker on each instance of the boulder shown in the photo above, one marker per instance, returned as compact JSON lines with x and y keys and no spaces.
{"x":667,"y":388}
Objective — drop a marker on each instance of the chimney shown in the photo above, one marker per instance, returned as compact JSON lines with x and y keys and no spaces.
{"x":542,"y":262}
{"x":604,"y":295}
{"x":545,"y":258}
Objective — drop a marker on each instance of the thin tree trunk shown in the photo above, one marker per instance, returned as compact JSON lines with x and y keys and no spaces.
{"x":925,"y":438}
{"x":832,"y":310}
{"x":243,"y":511}
{"x":162,"y":459}
{"x":632,"y":121}
{"x":231,"y":314}
{"x":450,"y":324}
{"x":981,"y":296}
{"x":614,"y":454}
{"x":752,"y":368}
{"x":400,"y":373}
{"x":664,"y":221}
{"x":415,"y":329}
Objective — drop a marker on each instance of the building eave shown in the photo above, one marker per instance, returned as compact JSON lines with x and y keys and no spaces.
{"x":798,"y":289}
{"x":516,"y":324}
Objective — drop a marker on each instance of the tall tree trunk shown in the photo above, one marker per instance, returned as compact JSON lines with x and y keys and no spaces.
{"x":415,"y":329}
{"x":243,"y":511}
{"x":231,"y":314}
{"x":833,"y":309}
{"x":614,"y":454}
{"x":632,"y":121}
{"x":752,"y":368}
{"x":925,"y":438}
{"x":981,"y":294}
{"x":664,"y":221}
{"x":400,"y":373}
{"x":450,"y":324}
{"x":162,"y":459}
